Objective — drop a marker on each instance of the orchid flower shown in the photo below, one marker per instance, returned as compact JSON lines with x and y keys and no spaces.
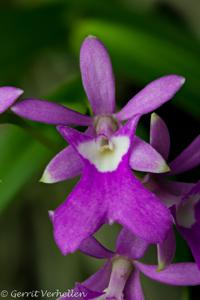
{"x":98,"y":82}
{"x":184,"y":196}
{"x":119,"y":278}
{"x":8,"y":95}
{"x":107,"y":192}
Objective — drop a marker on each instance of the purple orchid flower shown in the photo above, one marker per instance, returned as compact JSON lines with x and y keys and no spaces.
{"x":119,"y":278}
{"x":184,"y":196}
{"x":107,"y":192}
{"x":98,"y":82}
{"x":8,"y":95}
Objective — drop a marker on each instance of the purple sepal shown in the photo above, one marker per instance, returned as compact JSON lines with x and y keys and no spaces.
{"x":8,"y":95}
{"x":50,"y":113}
{"x":151,"y":97}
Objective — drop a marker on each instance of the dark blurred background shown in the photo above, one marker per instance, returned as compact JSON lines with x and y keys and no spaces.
{"x":39,"y":52}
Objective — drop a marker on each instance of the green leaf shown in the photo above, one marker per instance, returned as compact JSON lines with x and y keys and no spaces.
{"x":18,"y":164}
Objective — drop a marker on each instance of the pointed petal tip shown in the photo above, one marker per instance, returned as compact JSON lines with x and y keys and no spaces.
{"x":46,"y":178}
{"x":161,"y":266}
{"x":91,"y":36}
{"x":164,"y":168}
{"x":11,"y":90}
{"x":183,"y":80}
{"x":8,"y":95}
{"x":154,"y":117}
{"x":51,"y":215}
{"x":176,"y":77}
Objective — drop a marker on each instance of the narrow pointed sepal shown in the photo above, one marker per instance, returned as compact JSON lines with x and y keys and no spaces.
{"x":8,"y":95}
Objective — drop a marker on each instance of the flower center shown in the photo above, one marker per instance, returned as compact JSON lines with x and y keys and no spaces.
{"x":105,"y":153}
{"x":105,"y":145}
{"x":105,"y":125}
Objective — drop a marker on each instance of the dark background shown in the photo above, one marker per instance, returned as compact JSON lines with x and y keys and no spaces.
{"x":39,"y":48}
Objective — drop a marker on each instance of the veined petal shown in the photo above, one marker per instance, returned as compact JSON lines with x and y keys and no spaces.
{"x":166,"y":250}
{"x":137,"y":209}
{"x":97,"y":76}
{"x":179,"y":274}
{"x":81,"y":214}
{"x":8,"y":95}
{"x":159,"y":135}
{"x":188,"y":159}
{"x":130,"y":245}
{"x":49,"y":112}
{"x":151,"y":97}
{"x":145,"y":158}
{"x":133,"y":290}
{"x":65,"y":165}
{"x":92,"y":247}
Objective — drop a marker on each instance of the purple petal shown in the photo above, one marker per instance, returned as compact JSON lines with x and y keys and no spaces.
{"x":73,"y":136}
{"x":97,"y":76}
{"x":192,"y":237}
{"x":159,"y":135}
{"x":187,"y":212}
{"x":94,"y":285}
{"x":188,"y":159}
{"x":133,"y":290}
{"x":176,"y":274}
{"x":188,"y":221}
{"x":80,"y":215}
{"x":166,"y":250}
{"x":49,"y":112}
{"x":130,"y":245}
{"x":86,"y":293}
{"x":92,"y":247}
{"x":145,"y":158}
{"x":80,"y":292}
{"x":100,"y":280}
{"x":65,"y":165}
{"x":175,"y":187}
{"x":152,"y":96}
{"x":137,"y":209}
{"x":8,"y":95}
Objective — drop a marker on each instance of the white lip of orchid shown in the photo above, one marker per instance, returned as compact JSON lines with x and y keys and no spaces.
{"x":186,"y":212}
{"x":105,"y":154}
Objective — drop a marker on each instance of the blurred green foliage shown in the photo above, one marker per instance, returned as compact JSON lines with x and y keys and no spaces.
{"x":40,"y":41}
